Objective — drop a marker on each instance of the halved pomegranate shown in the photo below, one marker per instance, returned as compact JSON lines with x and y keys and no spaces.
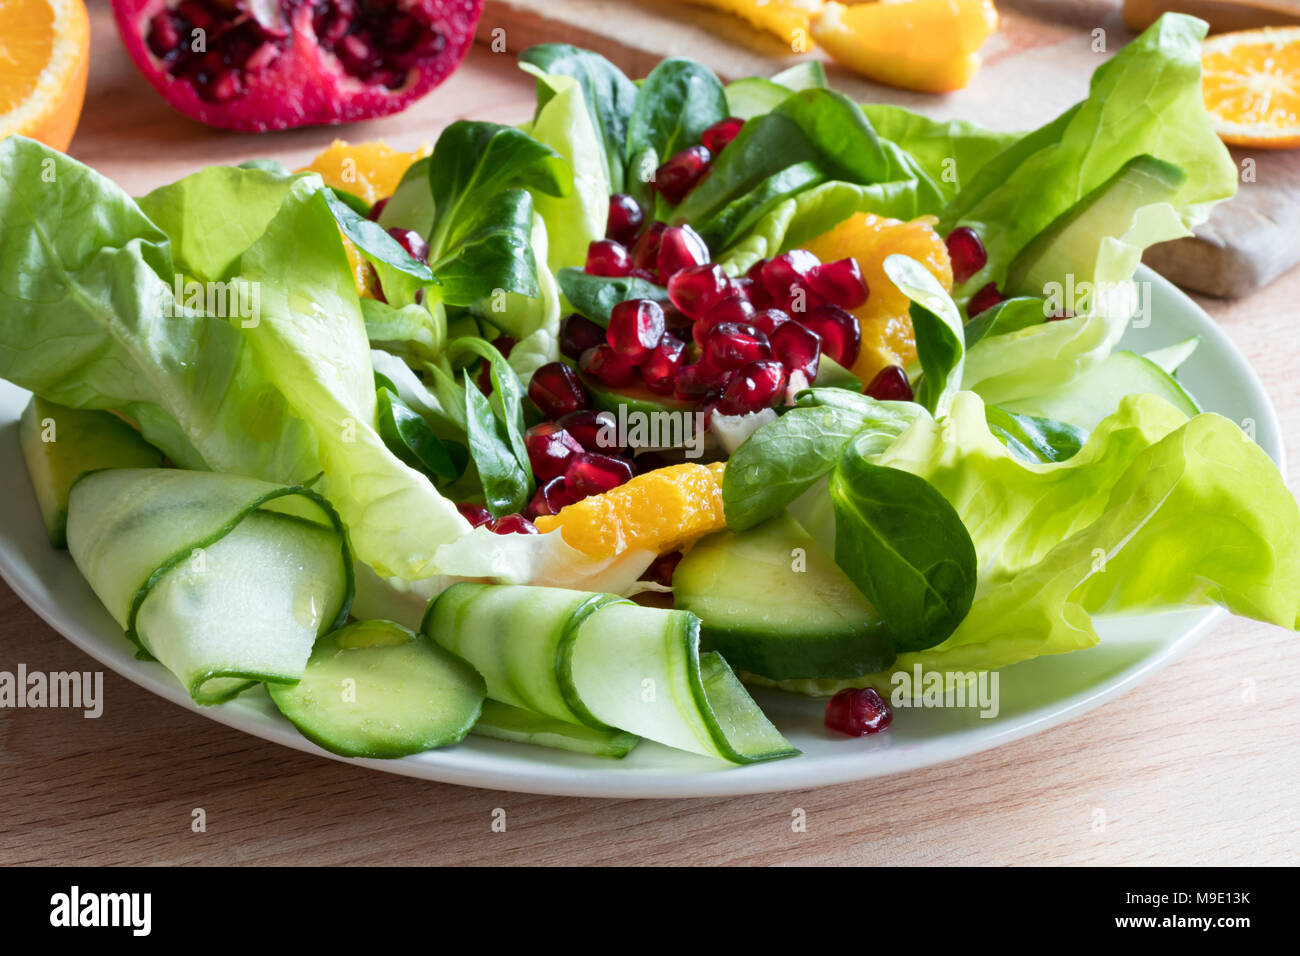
{"x":276,"y":64}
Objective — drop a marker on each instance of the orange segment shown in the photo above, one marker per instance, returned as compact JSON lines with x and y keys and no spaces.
{"x":926,"y":45}
{"x":1251,"y":85}
{"x":887,"y":337}
{"x":785,"y":19}
{"x":44,"y":55}
{"x":658,"y":511}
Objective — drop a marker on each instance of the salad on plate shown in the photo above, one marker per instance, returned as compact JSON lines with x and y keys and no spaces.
{"x":569,"y":433}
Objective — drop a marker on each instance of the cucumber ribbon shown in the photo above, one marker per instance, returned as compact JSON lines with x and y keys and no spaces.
{"x":225,"y":580}
{"x":601,"y":661}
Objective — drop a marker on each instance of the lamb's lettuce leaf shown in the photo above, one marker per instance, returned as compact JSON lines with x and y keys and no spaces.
{"x":940,"y":346}
{"x":676,"y":102}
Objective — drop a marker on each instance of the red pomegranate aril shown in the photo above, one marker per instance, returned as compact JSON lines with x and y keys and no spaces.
{"x":696,"y":289}
{"x":555,"y":389}
{"x":985,"y":298}
{"x":605,"y":257}
{"x":731,"y":345}
{"x":549,"y":499}
{"x":840,"y":332}
{"x":605,"y":365}
{"x":595,"y":474}
{"x":769,"y":320}
{"x":549,"y":449}
{"x":645,"y":251}
{"x":680,"y":248}
{"x":377,"y":209}
{"x":412,"y":242}
{"x":675,"y":318}
{"x":164,"y":35}
{"x":476,"y":515}
{"x":512,"y":524}
{"x":966,"y":252}
{"x":858,"y":712}
{"x":717,"y":136}
{"x":577,"y":334}
{"x":786,"y":271}
{"x":587,"y":427}
{"x":731,"y":309}
{"x":840,"y":282}
{"x":753,"y":388}
{"x":661,"y":569}
{"x":890,"y":385}
{"x":625,"y":219}
{"x":797,"y":348}
{"x":675,"y":178}
{"x":660,"y":369}
{"x":697,"y":383}
{"x":635,"y":327}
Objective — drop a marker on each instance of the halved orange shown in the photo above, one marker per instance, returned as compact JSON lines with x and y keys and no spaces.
{"x":44,"y":56}
{"x":1251,"y":85}
{"x":785,"y":19}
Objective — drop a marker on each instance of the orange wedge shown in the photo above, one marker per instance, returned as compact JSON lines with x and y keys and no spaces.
{"x":785,"y":19}
{"x":926,"y":45}
{"x":44,"y":55}
{"x":887,"y":336}
{"x":1251,"y":85}
{"x":658,"y":511}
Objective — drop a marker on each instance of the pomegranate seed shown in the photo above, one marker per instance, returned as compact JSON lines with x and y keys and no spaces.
{"x":412,"y":242}
{"x":787,"y":272}
{"x":732,"y":309}
{"x":717,"y":136}
{"x":675,"y":318}
{"x":635,"y":327}
{"x":625,"y":219}
{"x":696,"y":383}
{"x":840,"y":332}
{"x":798,"y":348}
{"x":595,"y":474}
{"x":755,"y":387}
{"x":476,"y":515}
{"x":680,"y":248}
{"x":769,"y":320}
{"x":549,"y":499}
{"x":586,"y":427}
{"x":377,"y":210}
{"x":731,"y":345}
{"x":661,"y":569}
{"x":605,"y":257}
{"x":555,"y":389}
{"x":890,"y":385}
{"x":680,"y":174}
{"x":660,"y":369}
{"x":696,"y":289}
{"x":753,"y":292}
{"x":858,"y":712}
{"x":549,"y":449}
{"x":605,"y":365}
{"x":512,"y":524}
{"x":577,"y":334}
{"x":984,"y":299}
{"x":164,"y":37}
{"x":839,"y":282}
{"x":645,"y":251}
{"x":966,"y":252}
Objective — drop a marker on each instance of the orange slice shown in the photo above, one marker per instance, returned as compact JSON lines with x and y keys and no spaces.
{"x":887,"y":337}
{"x":1251,"y":85}
{"x":785,"y":19}
{"x":926,"y":45}
{"x":44,"y":55}
{"x":658,"y":511}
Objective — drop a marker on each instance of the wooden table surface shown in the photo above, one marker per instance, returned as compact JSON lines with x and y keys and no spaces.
{"x":1200,"y":764}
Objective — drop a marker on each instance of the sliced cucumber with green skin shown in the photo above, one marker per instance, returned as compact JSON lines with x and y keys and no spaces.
{"x":1070,"y":244}
{"x":831,"y":374}
{"x":599,"y":660}
{"x":61,"y":444}
{"x":636,"y":399}
{"x":1171,"y":357}
{"x":775,"y":604}
{"x":1097,"y":392}
{"x":514,"y":724}
{"x":377,"y":689}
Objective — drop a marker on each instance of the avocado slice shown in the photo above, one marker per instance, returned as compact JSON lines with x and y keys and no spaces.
{"x":61,"y":444}
{"x":1069,"y":245}
{"x":774,"y":604}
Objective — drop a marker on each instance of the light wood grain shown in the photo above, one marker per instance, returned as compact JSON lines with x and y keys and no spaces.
{"x":1183,"y":770}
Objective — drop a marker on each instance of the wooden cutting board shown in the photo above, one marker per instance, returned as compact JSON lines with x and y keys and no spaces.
{"x":1035,"y":66}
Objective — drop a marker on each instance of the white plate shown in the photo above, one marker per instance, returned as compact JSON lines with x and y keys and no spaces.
{"x":1034,"y":695}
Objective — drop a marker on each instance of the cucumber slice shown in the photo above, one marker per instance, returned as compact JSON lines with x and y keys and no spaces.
{"x":1171,"y":357}
{"x":1070,"y":244}
{"x":634,"y":398}
{"x":518,"y":637}
{"x":639,"y":669}
{"x":61,"y":444}
{"x":1097,"y":392}
{"x":768,"y":618}
{"x":514,"y":724}
{"x":377,"y":689}
{"x":831,"y":374}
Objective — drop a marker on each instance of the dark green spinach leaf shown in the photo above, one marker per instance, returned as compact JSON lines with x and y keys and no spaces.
{"x":676,"y":103}
{"x":409,"y":437}
{"x":506,"y":485}
{"x":1035,"y":439}
{"x":940,"y":344}
{"x":596,"y":296}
